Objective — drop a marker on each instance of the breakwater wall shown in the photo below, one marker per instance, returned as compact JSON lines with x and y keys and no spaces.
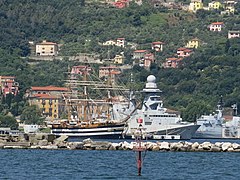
{"x":49,"y":141}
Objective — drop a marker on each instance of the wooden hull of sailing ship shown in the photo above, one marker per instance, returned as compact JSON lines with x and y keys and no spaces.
{"x":107,"y":131}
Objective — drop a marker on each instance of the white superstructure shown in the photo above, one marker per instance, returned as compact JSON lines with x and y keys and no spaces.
{"x":155,"y":119}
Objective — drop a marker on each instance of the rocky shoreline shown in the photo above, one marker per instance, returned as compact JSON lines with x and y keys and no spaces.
{"x":49,"y":141}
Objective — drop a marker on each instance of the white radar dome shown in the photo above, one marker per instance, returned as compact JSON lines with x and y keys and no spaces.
{"x":151,"y":82}
{"x":151,"y":79}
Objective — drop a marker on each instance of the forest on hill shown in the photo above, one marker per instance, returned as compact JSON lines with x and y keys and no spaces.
{"x":193,"y":89}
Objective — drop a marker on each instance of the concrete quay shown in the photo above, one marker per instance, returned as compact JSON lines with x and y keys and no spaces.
{"x":51,"y":142}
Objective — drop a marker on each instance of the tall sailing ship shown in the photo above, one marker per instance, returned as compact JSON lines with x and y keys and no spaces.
{"x":96,"y":109}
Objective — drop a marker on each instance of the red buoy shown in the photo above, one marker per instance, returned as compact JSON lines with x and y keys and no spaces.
{"x":139,"y":148}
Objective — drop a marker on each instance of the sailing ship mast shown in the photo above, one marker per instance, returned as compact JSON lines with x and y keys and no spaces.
{"x":85,"y":94}
{"x":88,"y":109}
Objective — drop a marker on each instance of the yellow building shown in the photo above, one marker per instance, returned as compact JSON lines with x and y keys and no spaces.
{"x":46,"y":49}
{"x":48,"y":104}
{"x":195,"y":5}
{"x":48,"y":99}
{"x":109,"y":43}
{"x":214,"y":5}
{"x":119,"y":59}
{"x":193,"y":43}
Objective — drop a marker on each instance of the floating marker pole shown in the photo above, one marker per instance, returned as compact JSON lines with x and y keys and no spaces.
{"x":139,"y":148}
{"x":139,"y":161}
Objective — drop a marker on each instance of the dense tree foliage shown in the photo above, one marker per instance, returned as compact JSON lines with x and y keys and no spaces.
{"x":8,"y":121}
{"x":31,"y":115}
{"x":194,"y":88}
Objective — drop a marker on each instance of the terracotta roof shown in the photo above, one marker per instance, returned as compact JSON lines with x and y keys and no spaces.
{"x":140,"y":51}
{"x":184,"y":49}
{"x":217,"y":23}
{"x":121,"y":38}
{"x":119,"y":4}
{"x":181,"y":49}
{"x":46,"y":43}
{"x":44,"y":96}
{"x":158,"y":42}
{"x":48,"y":88}
{"x":9,"y":81}
{"x":115,"y":72}
{"x":108,"y":67}
{"x":7,"y":77}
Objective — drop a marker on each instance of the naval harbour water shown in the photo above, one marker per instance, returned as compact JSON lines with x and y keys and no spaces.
{"x":76,"y":164}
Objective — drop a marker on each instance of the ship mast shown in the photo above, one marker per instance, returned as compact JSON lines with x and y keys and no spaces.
{"x":109,"y":83}
{"x":85,"y":94}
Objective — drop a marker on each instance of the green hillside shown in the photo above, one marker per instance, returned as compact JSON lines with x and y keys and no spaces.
{"x":193,"y":89}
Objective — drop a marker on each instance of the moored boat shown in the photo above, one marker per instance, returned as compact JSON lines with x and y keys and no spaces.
{"x":211,"y":126}
{"x":214,"y":126}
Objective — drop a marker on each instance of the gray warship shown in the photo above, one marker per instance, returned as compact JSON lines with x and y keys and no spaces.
{"x":155,"y":120}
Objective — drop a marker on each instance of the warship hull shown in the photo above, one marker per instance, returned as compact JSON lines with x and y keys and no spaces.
{"x":184,"y":132}
{"x":175,"y":132}
{"x":214,"y":133}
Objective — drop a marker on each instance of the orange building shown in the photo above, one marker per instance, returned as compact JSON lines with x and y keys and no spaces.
{"x":157,"y":46}
{"x":184,"y":52}
{"x":172,"y":62}
{"x":148,"y":60}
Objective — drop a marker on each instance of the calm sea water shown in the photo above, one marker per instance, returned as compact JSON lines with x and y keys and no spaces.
{"x":77,"y":164}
